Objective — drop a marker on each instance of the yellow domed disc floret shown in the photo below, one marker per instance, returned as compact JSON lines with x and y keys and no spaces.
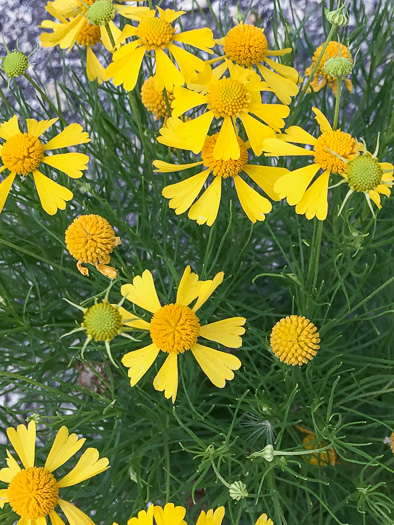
{"x":338,"y":141}
{"x":223,"y":168}
{"x":22,"y":153}
{"x":245,"y":45}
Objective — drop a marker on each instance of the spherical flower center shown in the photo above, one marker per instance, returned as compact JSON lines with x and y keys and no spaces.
{"x":90,"y":239}
{"x":245,"y":45}
{"x":89,"y":35}
{"x":15,"y":63}
{"x":341,"y":143}
{"x":33,"y":493}
{"x":228,"y":97}
{"x":22,"y":153}
{"x":154,"y":100}
{"x":155,"y":32}
{"x":364,"y":173}
{"x":103,"y":321}
{"x":294,"y":340}
{"x":223,"y":168}
{"x":101,"y":12}
{"x":174,"y":328}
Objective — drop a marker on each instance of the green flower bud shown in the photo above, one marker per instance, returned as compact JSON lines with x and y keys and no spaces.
{"x":103,"y":321}
{"x":238,"y":491}
{"x":338,"y":67}
{"x":364,"y":173}
{"x":15,"y":64}
{"x":268,"y":453}
{"x":339,"y":17}
{"x":101,"y":12}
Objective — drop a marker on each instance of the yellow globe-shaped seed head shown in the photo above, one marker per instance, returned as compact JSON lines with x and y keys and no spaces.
{"x":22,"y":153}
{"x":33,"y":493}
{"x":174,"y":328}
{"x":89,"y":35}
{"x":223,"y":168}
{"x":364,"y":173}
{"x":338,"y":67}
{"x":154,"y":100}
{"x":228,"y":97}
{"x":245,"y":45}
{"x":103,"y":321}
{"x":15,"y":64}
{"x":155,"y":33}
{"x":342,"y":143}
{"x":101,"y":12}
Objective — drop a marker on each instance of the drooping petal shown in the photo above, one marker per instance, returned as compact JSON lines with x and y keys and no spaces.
{"x":168,"y":167}
{"x":207,"y":289}
{"x":218,"y":366}
{"x":171,"y":134}
{"x":183,"y":194}
{"x":37,"y":128}
{"x":55,"y":518}
{"x":89,"y":465}
{"x":254,"y":205}
{"x":205,"y":210}
{"x":72,"y":164}
{"x":130,"y":319}
{"x":52,"y":195}
{"x":10,"y":128}
{"x":298,"y":135}
{"x":116,"y":33}
{"x":226,"y":146}
{"x":74,"y":515}
{"x":279,"y":52}
{"x":293,"y":185}
{"x":125,"y":70}
{"x":276,"y":148}
{"x":142,"y":292}
{"x":64,"y":447}
{"x":226,"y":332}
{"x":199,"y":38}
{"x":94,"y":68}
{"x":167,"y":377}
{"x":374,"y":195}
{"x":272,"y":114}
{"x":3,"y":498}
{"x":314,"y":202}
{"x":322,"y":120}
{"x":70,"y":136}
{"x":185,"y":99}
{"x":188,"y":64}
{"x":23,"y":440}
{"x":5,"y":188}
{"x":283,"y":88}
{"x":167,"y":74}
{"x":139,"y":361}
{"x":266,"y":177}
{"x":285,"y":71}
{"x":257,"y":132}
{"x":188,"y":288}
{"x":7,"y":474}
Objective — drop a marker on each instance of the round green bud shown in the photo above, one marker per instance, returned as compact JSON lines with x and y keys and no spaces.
{"x":364,"y":173}
{"x":339,"y":17}
{"x":101,"y":12}
{"x":103,"y":321}
{"x":338,"y":67}
{"x":238,"y":491}
{"x":15,"y":64}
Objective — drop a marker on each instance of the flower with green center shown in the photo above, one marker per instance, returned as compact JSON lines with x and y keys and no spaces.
{"x":175,"y":328}
{"x":101,"y":12}
{"x":15,"y":64}
{"x":33,"y":492}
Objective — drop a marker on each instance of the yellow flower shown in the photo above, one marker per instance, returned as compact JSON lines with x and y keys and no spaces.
{"x":247,"y":46}
{"x":211,"y":517}
{"x":90,"y":239}
{"x":33,"y":492}
{"x":311,"y":201}
{"x":157,"y":34}
{"x":154,"y":100}
{"x":320,"y":78}
{"x":227,"y":99}
{"x":205,"y":210}
{"x":175,"y":328}
{"x":22,"y":153}
{"x":392,"y":442}
{"x":295,"y":340}
{"x":325,"y":458}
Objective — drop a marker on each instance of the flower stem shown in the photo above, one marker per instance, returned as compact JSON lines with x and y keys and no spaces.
{"x":313,"y":269}
{"x":46,"y":98}
{"x":110,"y":35}
{"x":139,"y":125}
{"x":337,"y":103}
{"x":218,"y":475}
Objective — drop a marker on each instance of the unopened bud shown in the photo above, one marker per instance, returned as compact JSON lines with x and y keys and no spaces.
{"x":238,"y":491}
{"x":15,"y":64}
{"x":339,"y":17}
{"x":101,"y":12}
{"x":338,"y":67}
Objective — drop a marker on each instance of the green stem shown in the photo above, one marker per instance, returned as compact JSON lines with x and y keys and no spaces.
{"x":337,"y":103}
{"x":313,"y":269}
{"x":46,"y":98}
{"x":139,"y":125}
{"x":218,"y":475}
{"x":110,"y":35}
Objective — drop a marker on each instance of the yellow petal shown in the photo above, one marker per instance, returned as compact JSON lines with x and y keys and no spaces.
{"x":168,"y":167}
{"x":314,"y":202}
{"x":227,"y":146}
{"x":283,"y":88}
{"x":63,"y":448}
{"x":55,"y":518}
{"x":218,"y":366}
{"x":199,"y":38}
{"x":184,"y":100}
{"x":183,"y":194}
{"x":254,"y":205}
{"x":211,"y":517}
{"x":206,"y":290}
{"x":125,"y":51}
{"x":116,"y":33}
{"x":167,"y":377}
{"x":293,"y":185}
{"x":3,"y":498}
{"x":385,"y":190}
{"x":194,"y":132}
{"x":125,"y":70}
{"x":205,"y":210}
{"x":5,"y":188}
{"x":130,"y":319}
{"x":89,"y":465}
{"x":285,"y":71}
{"x":37,"y":128}
{"x":264,"y":520}
{"x":70,"y":136}
{"x":374,"y":195}
{"x":188,"y":288}
{"x":170,"y":15}
{"x":23,"y":440}
{"x":139,"y":361}
{"x":276,"y":148}
{"x":257,"y":132}
{"x":142,"y":292}
{"x":322,"y":120}
{"x":170,"y":515}
{"x":144,"y":517}
{"x":10,"y":128}
{"x":298,"y":135}
{"x":94,"y":68}
{"x":52,"y":195}
{"x":279,"y":52}
{"x":266,"y":177}
{"x":7,"y":474}
{"x":272,"y":114}
{"x":188,"y":64}
{"x":171,"y":134}
{"x":167,"y":75}
{"x":72,"y":164}
{"x":226,"y":332}
{"x":74,"y":515}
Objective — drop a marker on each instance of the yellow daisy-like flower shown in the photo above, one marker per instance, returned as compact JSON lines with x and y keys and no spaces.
{"x":157,"y":34}
{"x":311,"y":201}
{"x":90,"y":239}
{"x":320,"y":78}
{"x":154,"y":100}
{"x":325,"y":458}
{"x":247,"y":46}
{"x":295,"y":340}
{"x":33,"y":492}
{"x":227,"y":99}
{"x":175,"y":328}
{"x":205,"y":210}
{"x":22,"y":153}
{"x":392,"y":442}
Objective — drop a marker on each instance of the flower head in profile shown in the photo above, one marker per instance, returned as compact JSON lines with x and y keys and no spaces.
{"x":175,"y":329}
{"x":224,"y":100}
{"x":205,"y":209}
{"x":320,"y":77}
{"x":157,"y":34}
{"x":33,"y":492}
{"x":247,"y":46}
{"x":23,"y":153}
{"x":90,"y":239}
{"x":328,"y":152}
